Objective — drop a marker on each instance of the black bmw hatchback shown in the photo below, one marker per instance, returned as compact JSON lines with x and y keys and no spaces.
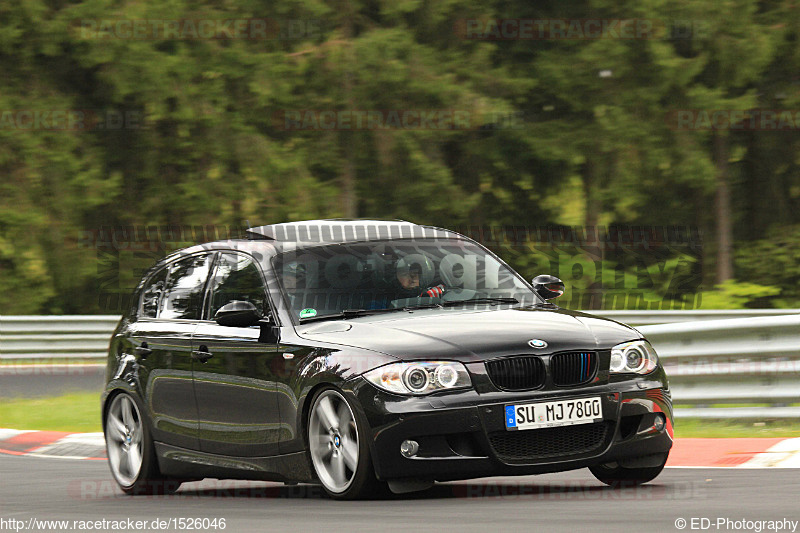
{"x":366,"y":354}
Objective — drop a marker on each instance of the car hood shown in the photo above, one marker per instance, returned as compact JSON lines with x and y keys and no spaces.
{"x":471,"y":335}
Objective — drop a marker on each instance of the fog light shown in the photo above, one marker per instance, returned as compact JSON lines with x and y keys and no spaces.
{"x":409,"y":448}
{"x":660,"y":422}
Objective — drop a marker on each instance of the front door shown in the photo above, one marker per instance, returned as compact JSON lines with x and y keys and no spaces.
{"x":234,"y":385}
{"x":170,"y":310}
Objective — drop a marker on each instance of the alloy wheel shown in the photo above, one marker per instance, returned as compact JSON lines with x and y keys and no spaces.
{"x":124,"y":439}
{"x":333,"y":441}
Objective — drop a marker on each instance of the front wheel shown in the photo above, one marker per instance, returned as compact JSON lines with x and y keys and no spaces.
{"x":130,"y":450}
{"x":614,"y":475}
{"x":337,"y":443}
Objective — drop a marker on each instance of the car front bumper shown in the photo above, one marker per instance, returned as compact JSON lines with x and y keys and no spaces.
{"x":462,"y":435}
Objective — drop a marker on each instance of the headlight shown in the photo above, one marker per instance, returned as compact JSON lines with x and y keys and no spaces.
{"x":420,"y":377}
{"x":636,"y":357}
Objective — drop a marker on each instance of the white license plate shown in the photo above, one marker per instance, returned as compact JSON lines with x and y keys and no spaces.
{"x":552,"y":414}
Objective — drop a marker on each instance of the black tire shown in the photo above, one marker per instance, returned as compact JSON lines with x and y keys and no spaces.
{"x":616,"y":476}
{"x":362,"y":484}
{"x":134,"y":435}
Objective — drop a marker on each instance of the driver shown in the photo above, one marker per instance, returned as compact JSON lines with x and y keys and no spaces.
{"x":408,"y":278}
{"x":403,"y":280}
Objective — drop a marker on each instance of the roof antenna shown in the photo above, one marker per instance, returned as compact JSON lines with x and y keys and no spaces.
{"x":253,"y":235}
{"x":248,"y":227}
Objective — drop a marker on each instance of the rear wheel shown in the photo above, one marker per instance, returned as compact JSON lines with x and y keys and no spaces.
{"x":614,"y":475}
{"x":337,"y":442}
{"x":130,"y":450}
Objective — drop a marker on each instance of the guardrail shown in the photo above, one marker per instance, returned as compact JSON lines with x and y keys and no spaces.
{"x":45,"y":337}
{"x":646,"y":318}
{"x":717,"y":365}
{"x":744,"y":367}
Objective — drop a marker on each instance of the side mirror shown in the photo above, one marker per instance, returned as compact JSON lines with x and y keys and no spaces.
{"x":238,"y":313}
{"x":548,"y":287}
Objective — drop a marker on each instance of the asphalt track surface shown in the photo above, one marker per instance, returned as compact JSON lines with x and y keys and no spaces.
{"x":34,"y":381}
{"x":60,"y":489}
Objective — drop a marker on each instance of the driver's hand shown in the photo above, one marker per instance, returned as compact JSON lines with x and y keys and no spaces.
{"x":434,"y":292}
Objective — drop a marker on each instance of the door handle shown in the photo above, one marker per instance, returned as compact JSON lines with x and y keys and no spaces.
{"x":202,"y":354}
{"x":143,"y":351}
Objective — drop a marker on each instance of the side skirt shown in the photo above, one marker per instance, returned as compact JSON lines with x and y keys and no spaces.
{"x":191,"y":464}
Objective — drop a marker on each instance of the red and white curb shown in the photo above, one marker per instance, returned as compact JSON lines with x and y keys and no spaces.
{"x":686,"y":453}
{"x":57,"y":444}
{"x":735,"y":453}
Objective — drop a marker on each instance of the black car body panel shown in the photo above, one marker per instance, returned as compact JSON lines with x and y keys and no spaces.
{"x":475,"y":334}
{"x":242,"y":412}
{"x":459,"y":428}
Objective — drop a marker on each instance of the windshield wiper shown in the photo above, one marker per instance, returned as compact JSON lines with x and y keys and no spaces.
{"x":353,"y":313}
{"x":423,"y":306}
{"x":349,"y":313}
{"x":482,"y":301}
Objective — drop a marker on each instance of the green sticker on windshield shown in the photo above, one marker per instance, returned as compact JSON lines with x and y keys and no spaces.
{"x":308,"y":313}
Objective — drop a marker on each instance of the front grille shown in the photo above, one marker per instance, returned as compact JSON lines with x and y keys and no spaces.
{"x":573,"y":368}
{"x":534,"y":444}
{"x":516,"y":373}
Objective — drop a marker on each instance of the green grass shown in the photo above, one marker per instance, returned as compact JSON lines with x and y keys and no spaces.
{"x":81,"y":413}
{"x":78,"y":413}
{"x":694,"y":427}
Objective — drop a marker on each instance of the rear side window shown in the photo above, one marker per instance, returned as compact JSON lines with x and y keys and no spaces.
{"x":185,"y":287}
{"x":237,"y":277}
{"x":151,"y":295}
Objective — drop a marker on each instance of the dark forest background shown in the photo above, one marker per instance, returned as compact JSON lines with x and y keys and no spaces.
{"x":564,"y":132}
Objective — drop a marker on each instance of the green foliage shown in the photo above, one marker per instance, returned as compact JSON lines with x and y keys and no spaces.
{"x":551,"y":140}
{"x":774,"y":260}
{"x":737,"y":295}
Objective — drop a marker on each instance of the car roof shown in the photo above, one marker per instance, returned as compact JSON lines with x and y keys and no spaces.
{"x":339,"y":231}
{"x":273,"y":239}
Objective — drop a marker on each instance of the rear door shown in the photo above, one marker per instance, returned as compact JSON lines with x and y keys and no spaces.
{"x":171,"y":307}
{"x":235,"y":386}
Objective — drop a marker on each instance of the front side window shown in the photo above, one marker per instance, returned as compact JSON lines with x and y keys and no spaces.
{"x":151,"y":295}
{"x":328,"y":280}
{"x":237,"y":277}
{"x":186,"y":282}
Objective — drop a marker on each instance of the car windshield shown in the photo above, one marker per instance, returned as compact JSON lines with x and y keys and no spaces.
{"x":359,"y":278}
